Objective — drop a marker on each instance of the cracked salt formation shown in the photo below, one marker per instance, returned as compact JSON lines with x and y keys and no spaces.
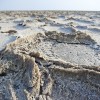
{"x":50,"y":65}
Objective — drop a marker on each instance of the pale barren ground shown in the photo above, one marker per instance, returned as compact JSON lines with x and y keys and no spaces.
{"x":49,"y":55}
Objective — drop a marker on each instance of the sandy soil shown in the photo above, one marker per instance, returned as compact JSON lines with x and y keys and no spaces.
{"x":49,"y":55}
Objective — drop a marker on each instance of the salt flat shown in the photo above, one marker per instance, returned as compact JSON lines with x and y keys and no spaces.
{"x":49,"y":55}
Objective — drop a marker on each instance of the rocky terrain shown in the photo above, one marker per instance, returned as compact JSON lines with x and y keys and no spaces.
{"x":49,"y":55}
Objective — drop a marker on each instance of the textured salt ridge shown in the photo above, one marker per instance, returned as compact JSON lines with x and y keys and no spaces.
{"x":72,"y":38}
{"x":28,"y":74}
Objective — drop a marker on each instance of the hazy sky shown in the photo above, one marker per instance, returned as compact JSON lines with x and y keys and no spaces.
{"x":50,"y":5}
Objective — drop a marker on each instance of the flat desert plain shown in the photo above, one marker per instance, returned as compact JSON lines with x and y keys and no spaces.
{"x":49,"y":55}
